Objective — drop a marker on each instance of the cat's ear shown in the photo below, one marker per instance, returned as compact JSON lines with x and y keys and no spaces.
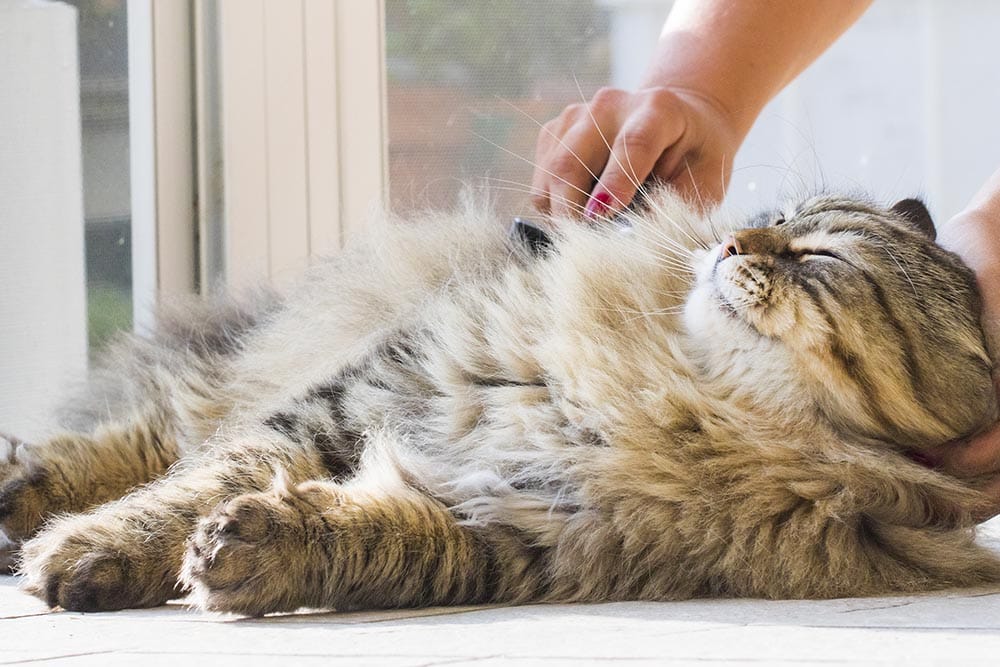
{"x":915,"y":212}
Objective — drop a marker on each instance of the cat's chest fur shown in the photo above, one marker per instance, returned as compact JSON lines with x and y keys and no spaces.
{"x":507,"y":396}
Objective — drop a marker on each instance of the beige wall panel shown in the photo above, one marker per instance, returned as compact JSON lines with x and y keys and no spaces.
{"x":175,"y":205}
{"x":321,"y":124}
{"x":242,"y":59}
{"x":361,"y":82}
{"x":284,"y":76}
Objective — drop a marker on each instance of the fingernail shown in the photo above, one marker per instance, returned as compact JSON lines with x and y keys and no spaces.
{"x":598,"y":204}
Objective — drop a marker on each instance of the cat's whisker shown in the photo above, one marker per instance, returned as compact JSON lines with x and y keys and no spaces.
{"x":556,"y":137}
{"x":664,"y":312}
{"x":645,"y":225}
{"x":671,"y":247}
{"x":680,"y":255}
{"x":666,"y":256}
{"x":631,"y":177}
{"x":686,"y":232}
{"x":665,"y":242}
{"x":649,"y":200}
{"x":531,"y":162}
{"x":529,"y":190}
{"x":630,"y":172}
{"x":885,"y":248}
{"x":674,"y":265}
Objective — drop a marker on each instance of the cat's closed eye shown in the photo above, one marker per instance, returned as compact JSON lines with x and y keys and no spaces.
{"x":810,"y":254}
{"x":817,"y":253}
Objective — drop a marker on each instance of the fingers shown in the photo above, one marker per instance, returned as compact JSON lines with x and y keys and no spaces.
{"x":652,"y":128}
{"x":619,"y":139}
{"x":992,"y":492}
{"x":582,"y":155}
{"x":572,"y":150}
{"x":979,"y":456}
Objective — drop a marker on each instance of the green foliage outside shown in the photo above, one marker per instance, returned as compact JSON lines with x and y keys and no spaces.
{"x":109,"y":310}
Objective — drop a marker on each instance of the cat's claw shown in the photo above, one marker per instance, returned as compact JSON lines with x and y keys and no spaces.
{"x":247,"y":556}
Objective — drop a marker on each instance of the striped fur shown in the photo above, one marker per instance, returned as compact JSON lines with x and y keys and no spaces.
{"x":442,"y":416}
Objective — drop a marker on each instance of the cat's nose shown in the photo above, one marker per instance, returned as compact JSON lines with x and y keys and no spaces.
{"x":730,"y":247}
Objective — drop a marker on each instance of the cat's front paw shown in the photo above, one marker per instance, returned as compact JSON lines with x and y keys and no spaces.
{"x":81,"y":564}
{"x":24,"y":495}
{"x":253,"y":555}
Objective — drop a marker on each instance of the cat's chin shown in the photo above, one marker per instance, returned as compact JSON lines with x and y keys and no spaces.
{"x":710,"y":318}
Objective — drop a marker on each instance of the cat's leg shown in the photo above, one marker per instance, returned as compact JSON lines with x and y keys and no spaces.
{"x":326,"y":545}
{"x":878,"y":534}
{"x":72,"y":472}
{"x":127,"y":553}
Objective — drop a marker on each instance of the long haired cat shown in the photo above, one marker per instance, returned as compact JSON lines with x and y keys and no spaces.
{"x":445,"y":416}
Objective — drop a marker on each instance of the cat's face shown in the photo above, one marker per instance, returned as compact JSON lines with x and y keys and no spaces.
{"x":874,"y":323}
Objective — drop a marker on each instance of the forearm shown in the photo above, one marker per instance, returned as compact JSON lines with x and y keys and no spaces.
{"x":739,"y":55}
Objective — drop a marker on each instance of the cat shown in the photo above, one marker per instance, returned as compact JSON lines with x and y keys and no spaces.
{"x":446,"y":414}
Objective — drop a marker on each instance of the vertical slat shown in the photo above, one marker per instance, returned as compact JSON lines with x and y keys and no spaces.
{"x":244,"y":127}
{"x":322,"y":145}
{"x":360,"y":76}
{"x":175,"y":213}
{"x":286,"y":137}
{"x":302,"y":96}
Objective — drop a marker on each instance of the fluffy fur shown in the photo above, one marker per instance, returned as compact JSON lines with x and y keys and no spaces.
{"x":439,"y":416}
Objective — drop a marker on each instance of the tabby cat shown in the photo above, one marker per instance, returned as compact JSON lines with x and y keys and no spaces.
{"x":448,"y":415}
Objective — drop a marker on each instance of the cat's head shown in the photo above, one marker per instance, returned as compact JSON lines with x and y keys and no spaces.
{"x":873,"y":323}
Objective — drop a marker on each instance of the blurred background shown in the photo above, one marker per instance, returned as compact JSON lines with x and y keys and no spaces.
{"x":224,"y":141}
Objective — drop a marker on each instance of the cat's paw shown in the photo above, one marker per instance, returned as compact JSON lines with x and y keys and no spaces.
{"x":24,"y":493}
{"x":253,"y":555}
{"x":81,"y":565}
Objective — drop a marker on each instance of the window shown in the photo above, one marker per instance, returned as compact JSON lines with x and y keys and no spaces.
{"x":468,"y":84}
{"x":900,"y":105}
{"x":102,"y":27}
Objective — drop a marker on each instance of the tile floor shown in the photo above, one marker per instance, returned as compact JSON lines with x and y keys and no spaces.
{"x":952,"y":627}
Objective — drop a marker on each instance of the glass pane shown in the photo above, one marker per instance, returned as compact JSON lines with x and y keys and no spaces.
{"x":103,"y":48}
{"x":896,"y":107}
{"x":469,"y":83}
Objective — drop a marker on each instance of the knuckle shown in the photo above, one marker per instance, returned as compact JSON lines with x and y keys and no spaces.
{"x":658,"y":98}
{"x":572,"y":112}
{"x":540,"y":202}
{"x":606,"y":97}
{"x":638,"y":139}
{"x":565,"y":163}
{"x":553,"y":125}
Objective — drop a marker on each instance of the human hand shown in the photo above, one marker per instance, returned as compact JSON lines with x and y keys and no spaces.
{"x":620,"y":139}
{"x":974,"y":235}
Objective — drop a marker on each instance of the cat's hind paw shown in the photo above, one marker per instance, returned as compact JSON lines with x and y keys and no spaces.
{"x":253,"y":555}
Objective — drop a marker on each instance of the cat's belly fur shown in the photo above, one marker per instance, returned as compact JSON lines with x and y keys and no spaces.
{"x":471,"y":420}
